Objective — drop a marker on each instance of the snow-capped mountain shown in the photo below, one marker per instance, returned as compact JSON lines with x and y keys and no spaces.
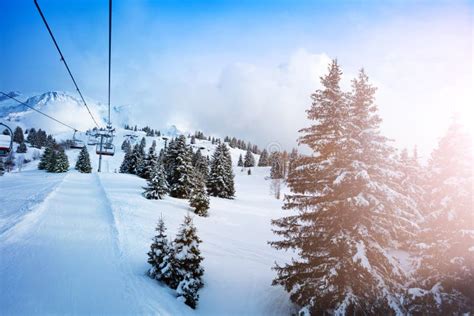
{"x":67,"y":108}
{"x":61,"y":105}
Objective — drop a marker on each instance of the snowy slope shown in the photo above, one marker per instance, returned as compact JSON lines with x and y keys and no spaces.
{"x":79,"y":245}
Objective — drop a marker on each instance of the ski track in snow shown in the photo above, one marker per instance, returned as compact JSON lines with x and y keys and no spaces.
{"x":67,"y":261}
{"x":18,"y":199}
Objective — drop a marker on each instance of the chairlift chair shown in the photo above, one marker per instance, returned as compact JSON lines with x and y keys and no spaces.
{"x":105,"y":144}
{"x":77,"y":143}
{"x":92,"y":140}
{"x":108,"y":149}
{"x":5,"y":145}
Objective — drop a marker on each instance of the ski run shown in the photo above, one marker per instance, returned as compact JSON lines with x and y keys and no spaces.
{"x":82,"y":248}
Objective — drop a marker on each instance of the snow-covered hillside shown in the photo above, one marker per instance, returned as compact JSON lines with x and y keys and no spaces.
{"x":76,"y":243}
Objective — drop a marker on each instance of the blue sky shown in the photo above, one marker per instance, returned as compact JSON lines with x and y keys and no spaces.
{"x":192,"y":62}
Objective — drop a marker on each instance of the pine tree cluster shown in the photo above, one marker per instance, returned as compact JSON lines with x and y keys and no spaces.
{"x":355,"y":199}
{"x":240,"y":144}
{"x":179,"y":172}
{"x":178,"y":264}
{"x":148,"y":130}
{"x":54,"y":160}
{"x":39,"y":138}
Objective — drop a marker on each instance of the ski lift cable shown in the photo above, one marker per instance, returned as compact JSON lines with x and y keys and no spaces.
{"x":110,"y":51}
{"x":64,"y":61}
{"x":40,"y":112}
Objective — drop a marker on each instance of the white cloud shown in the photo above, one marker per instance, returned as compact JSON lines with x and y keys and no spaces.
{"x":259,"y":103}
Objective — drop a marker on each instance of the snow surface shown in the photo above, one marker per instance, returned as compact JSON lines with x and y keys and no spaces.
{"x":76,"y":243}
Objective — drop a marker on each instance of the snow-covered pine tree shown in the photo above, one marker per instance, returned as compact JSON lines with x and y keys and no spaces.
{"x":159,"y":251}
{"x":39,"y":138}
{"x":199,"y":200}
{"x":240,"y":163}
{"x":51,"y":162}
{"x":150,"y":162}
{"x":263,"y":160}
{"x":196,"y":156}
{"x":61,"y":163}
{"x":141,"y":160}
{"x":125,"y":166}
{"x":445,"y":274}
{"x":349,"y":209}
{"x":142,"y":145}
{"x":181,"y":183}
{"x":22,"y":148}
{"x":135,"y":159}
{"x":169,"y":159}
{"x":46,"y":157}
{"x":31,"y":138}
{"x":18,"y":136}
{"x":157,"y":186}
{"x":276,"y":170}
{"x":249,"y":160}
{"x":221,"y":177}
{"x":185,"y":264}
{"x":413,"y":178}
{"x":126,"y":147}
{"x":292,"y":160}
{"x":201,"y":164}
{"x":51,"y":142}
{"x":83,"y":163}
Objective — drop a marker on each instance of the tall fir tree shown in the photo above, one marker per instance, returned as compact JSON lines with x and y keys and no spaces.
{"x":249,"y":160}
{"x":240,"y":162}
{"x":276,"y":170}
{"x":221,"y":177}
{"x":201,"y":165}
{"x":159,"y":253}
{"x":125,"y":166}
{"x":181,"y":176}
{"x":445,"y":275}
{"x":135,"y":159}
{"x":126,"y":146}
{"x":292,"y":160}
{"x":83,"y":163}
{"x":18,"y":136}
{"x":31,"y":138}
{"x":157,"y":186}
{"x":413,"y":178}
{"x":349,"y":209}
{"x":142,"y":144}
{"x":141,"y":159}
{"x":149,"y":163}
{"x":169,"y":158}
{"x":46,"y":157}
{"x":184,"y":271}
{"x":51,"y":142}
{"x":199,"y":200}
{"x":60,"y":162}
{"x":263,"y":160}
